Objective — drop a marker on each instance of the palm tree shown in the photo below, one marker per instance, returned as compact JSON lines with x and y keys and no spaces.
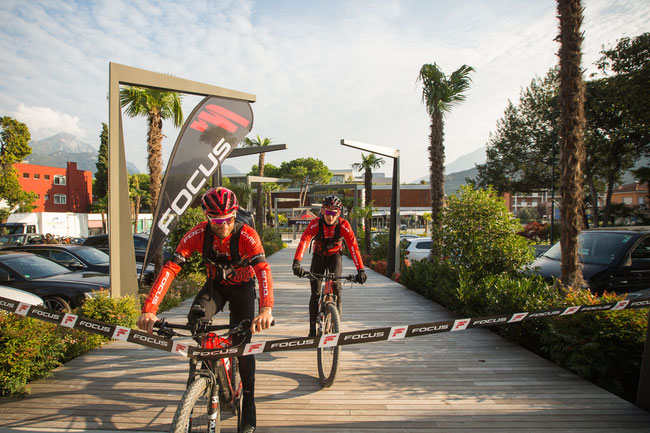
{"x":101,"y":205}
{"x":571,"y":100}
{"x":138,"y":197}
{"x":440,"y":94}
{"x":156,"y":105}
{"x":259,"y":209}
{"x":366,"y":165}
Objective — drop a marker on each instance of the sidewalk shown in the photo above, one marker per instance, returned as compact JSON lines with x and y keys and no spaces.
{"x":466,"y":381}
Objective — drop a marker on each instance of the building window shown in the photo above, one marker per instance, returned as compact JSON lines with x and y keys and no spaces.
{"x":59,"y":180}
{"x":26,"y":175}
{"x":46,"y":197}
{"x":37,"y":176}
{"x":627,"y":200}
{"x":59,"y":199}
{"x":46,"y":176}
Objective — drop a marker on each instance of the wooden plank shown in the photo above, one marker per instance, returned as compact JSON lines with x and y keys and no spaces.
{"x":469,"y":381}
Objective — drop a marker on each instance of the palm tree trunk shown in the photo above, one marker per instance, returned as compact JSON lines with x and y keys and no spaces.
{"x":437,"y":167}
{"x":367,"y":221}
{"x":259,"y":209}
{"x":154,"y":163}
{"x":572,"y":124}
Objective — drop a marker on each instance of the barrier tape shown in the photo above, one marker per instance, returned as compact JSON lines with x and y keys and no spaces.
{"x":323,"y":341}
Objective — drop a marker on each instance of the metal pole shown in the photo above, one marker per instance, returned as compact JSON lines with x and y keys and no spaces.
{"x":552,"y":192}
{"x":277,"y":219}
{"x":643,"y":393}
{"x":393,"y":238}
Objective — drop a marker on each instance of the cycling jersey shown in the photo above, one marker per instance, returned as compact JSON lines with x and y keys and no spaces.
{"x":330,"y":245}
{"x":252,"y":263}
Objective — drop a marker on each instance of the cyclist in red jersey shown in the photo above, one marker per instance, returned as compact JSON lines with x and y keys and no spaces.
{"x":233,"y":255}
{"x":328,"y":230}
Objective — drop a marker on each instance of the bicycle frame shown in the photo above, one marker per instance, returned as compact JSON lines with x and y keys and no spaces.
{"x":221,"y":372}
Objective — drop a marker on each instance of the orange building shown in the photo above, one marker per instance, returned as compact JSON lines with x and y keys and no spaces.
{"x":631,"y":194}
{"x":58,"y":189}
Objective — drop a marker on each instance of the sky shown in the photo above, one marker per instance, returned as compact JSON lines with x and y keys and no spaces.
{"x":321,"y":70}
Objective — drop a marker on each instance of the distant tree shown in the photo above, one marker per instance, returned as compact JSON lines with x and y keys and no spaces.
{"x":642,"y":175}
{"x":367,"y":164}
{"x":521,"y":153}
{"x":138,"y":196}
{"x":14,"y":147}
{"x":305,"y":172}
{"x":439,"y":95}
{"x":100,"y":187}
{"x":101,"y":206}
{"x":571,"y":100}
{"x":259,"y":208}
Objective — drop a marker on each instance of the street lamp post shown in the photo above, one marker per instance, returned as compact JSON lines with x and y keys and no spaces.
{"x":393,"y":239}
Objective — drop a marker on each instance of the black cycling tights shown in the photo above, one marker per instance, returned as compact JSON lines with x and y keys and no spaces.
{"x":213,"y":297}
{"x":318,"y":265}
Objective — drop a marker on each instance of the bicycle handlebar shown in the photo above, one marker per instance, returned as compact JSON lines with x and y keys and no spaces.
{"x":166,"y":329}
{"x":310,"y":275}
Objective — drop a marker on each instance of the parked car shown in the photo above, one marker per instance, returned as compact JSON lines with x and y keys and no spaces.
{"x":79,"y":258}
{"x":20,"y":296}
{"x":60,"y":288}
{"x":20,"y":239}
{"x":140,"y":242}
{"x":418,"y":249}
{"x":407,"y":237}
{"x":615,"y":259}
{"x":540,"y":249}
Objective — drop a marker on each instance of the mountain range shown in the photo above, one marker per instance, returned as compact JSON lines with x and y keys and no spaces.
{"x":57,"y":150}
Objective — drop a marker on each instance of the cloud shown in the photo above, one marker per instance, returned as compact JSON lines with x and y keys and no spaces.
{"x":44,"y":122}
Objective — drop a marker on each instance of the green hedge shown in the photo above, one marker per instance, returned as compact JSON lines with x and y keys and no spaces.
{"x":478,"y":274}
{"x":30,"y":349}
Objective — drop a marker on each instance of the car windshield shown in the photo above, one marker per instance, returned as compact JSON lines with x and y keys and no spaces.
{"x":92,"y":256}
{"x":12,"y":239}
{"x":600,"y":248}
{"x":33,"y":266}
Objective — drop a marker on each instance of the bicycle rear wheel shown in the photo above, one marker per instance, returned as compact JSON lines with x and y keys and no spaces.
{"x":192,"y":412}
{"x":328,"y":358}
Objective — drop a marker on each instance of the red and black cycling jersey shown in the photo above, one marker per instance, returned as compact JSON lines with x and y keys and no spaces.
{"x":252,"y":263}
{"x":328,"y":240}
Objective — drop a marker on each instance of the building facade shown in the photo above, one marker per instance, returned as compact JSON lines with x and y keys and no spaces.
{"x":58,"y":189}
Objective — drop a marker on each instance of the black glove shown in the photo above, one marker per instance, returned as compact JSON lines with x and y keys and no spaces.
{"x":298,"y":271}
{"x":361,"y":276}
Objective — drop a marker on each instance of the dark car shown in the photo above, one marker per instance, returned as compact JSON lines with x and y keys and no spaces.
{"x":614,"y":259}
{"x":60,"y":288}
{"x":79,"y":258}
{"x":140,"y":242}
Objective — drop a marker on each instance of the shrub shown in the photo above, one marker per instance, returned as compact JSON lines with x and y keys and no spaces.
{"x":29,"y":349}
{"x":480,"y":234}
{"x":271,"y":240}
{"x":604,"y":348}
{"x":535,"y":232}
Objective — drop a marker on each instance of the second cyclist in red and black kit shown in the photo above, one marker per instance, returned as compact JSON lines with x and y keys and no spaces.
{"x":329,"y":231}
{"x":233,"y":255}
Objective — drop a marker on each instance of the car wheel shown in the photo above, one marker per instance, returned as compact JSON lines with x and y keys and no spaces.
{"x":55,"y":303}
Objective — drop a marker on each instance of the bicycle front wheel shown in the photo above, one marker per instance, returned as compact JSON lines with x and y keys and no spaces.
{"x":192,"y":414}
{"x":328,"y":358}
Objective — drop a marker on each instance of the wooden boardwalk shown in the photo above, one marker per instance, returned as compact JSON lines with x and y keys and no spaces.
{"x":468,"y":381}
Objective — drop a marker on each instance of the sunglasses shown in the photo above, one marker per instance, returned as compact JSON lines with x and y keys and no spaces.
{"x":330,"y":212}
{"x":220,"y":221}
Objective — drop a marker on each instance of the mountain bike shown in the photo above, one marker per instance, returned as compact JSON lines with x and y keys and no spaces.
{"x":212,"y":384}
{"x":328,"y":321}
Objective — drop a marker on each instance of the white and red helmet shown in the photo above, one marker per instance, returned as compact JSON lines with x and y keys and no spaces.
{"x":219,"y":201}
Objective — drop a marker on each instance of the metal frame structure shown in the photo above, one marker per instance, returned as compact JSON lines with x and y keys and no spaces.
{"x":393,"y":238}
{"x":120,"y":240}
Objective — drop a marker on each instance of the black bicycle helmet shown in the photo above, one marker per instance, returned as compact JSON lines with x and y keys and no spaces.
{"x":219,"y":201}
{"x":332,"y":201}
